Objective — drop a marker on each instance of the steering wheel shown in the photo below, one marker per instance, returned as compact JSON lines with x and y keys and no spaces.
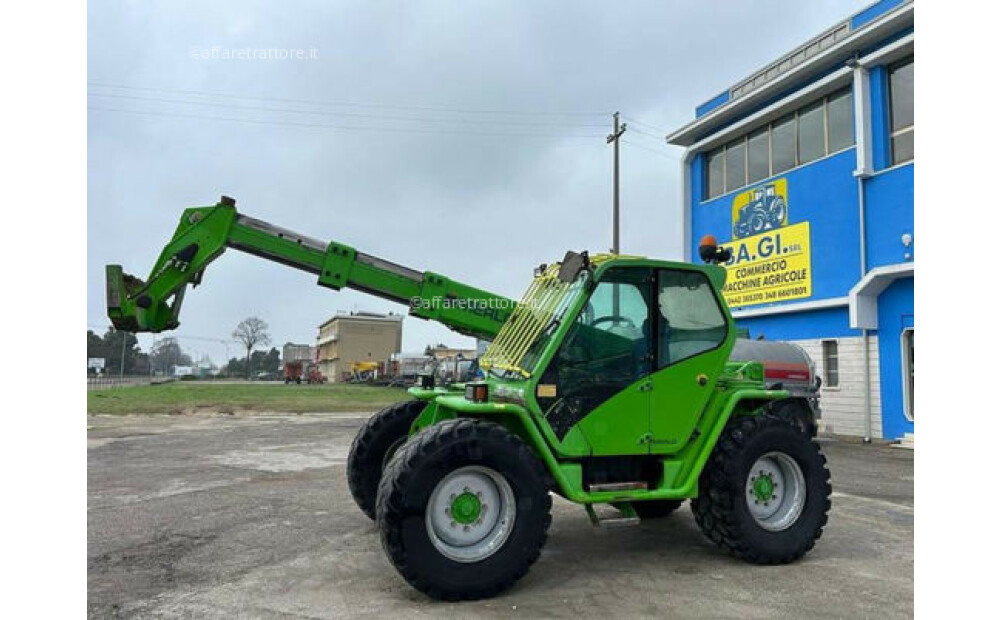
{"x":614,"y":320}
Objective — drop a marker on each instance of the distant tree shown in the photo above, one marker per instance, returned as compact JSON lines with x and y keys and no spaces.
{"x":236,"y":367}
{"x":260,"y":361}
{"x":110,"y":348}
{"x":271,"y":361}
{"x":251,"y":332}
{"x":167,"y":354}
{"x":95,"y":345}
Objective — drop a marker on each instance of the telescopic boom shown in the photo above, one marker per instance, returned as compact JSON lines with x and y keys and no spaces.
{"x":204,"y":233}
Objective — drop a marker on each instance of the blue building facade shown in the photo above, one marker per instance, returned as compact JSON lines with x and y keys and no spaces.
{"x":805,"y":170}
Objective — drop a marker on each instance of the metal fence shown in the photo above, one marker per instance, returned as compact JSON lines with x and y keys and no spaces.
{"x":101,"y":382}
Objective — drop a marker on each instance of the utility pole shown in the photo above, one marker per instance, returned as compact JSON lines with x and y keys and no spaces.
{"x":616,"y":133}
{"x":124,"y":338}
{"x":613,"y":138}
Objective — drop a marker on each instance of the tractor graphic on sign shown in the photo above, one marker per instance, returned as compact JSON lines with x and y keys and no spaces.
{"x":765,"y":209}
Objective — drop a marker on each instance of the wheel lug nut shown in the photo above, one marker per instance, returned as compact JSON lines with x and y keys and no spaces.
{"x":479,"y":494}
{"x":452,"y":496}
{"x":465,"y":528}
{"x":453,"y":523}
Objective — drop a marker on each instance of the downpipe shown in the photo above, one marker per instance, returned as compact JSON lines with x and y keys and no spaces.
{"x":865,"y":336}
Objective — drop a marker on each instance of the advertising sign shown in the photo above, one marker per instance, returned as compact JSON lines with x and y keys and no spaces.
{"x":771,"y":259}
{"x":97,"y":363}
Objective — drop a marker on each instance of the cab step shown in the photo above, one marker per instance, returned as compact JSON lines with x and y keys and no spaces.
{"x":618,"y":486}
{"x":627,"y":518}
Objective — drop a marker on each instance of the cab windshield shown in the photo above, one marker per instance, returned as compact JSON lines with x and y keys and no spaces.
{"x":515,"y":352}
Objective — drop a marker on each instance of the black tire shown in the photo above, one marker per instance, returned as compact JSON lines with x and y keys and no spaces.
{"x":797,"y":412}
{"x":722,"y":509}
{"x":657,"y":508}
{"x":380,"y":436}
{"x":409,"y":482}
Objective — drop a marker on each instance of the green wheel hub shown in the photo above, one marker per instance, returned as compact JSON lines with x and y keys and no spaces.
{"x":775,"y":491}
{"x":763,"y":488}
{"x":466,"y":508}
{"x":470,"y":513}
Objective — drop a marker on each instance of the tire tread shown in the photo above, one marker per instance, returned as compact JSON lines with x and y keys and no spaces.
{"x":403,"y":467}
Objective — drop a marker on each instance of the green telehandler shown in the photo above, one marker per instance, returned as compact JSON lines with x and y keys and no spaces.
{"x":609,"y":382}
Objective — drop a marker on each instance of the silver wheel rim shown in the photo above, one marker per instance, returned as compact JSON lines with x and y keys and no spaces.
{"x":779,"y":509}
{"x":478,"y":540}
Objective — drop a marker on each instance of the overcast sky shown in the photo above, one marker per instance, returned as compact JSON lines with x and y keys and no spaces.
{"x":414,"y":171}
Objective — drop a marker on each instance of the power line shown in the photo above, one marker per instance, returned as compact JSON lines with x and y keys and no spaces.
{"x":342,"y":103}
{"x":656,"y":137}
{"x":177,"y":336}
{"x":648,"y":125}
{"x":663,"y":154}
{"x":345,"y":127}
{"x":349,"y":114}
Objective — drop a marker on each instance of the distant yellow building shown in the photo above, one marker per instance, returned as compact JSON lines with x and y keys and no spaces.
{"x":357,"y":338}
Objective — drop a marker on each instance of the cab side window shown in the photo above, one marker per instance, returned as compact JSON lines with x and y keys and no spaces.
{"x":690,"y":320}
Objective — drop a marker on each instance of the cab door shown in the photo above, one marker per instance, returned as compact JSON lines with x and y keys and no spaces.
{"x":691,"y":338}
{"x":599,"y":379}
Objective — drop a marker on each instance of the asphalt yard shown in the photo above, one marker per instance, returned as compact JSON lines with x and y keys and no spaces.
{"x":221,"y":516}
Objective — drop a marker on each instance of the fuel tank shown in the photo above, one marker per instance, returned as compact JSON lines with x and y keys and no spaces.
{"x":784,"y":363}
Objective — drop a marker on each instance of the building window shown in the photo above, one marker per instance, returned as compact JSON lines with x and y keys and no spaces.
{"x":783,"y":144}
{"x":839,"y":121}
{"x":736,"y":164}
{"x":758,"y":156}
{"x":821,"y":128}
{"x":715,"y":183}
{"x":901,"y":110}
{"x":831,"y":367}
{"x":812,"y":133}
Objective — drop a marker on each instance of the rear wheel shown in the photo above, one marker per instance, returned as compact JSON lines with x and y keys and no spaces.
{"x":797,"y":412}
{"x":374,"y":445}
{"x":463,"y":510}
{"x":765,"y":492}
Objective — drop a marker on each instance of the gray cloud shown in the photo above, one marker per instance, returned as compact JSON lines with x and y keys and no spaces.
{"x":480,"y":208}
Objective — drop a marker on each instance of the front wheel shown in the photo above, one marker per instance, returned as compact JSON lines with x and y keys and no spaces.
{"x":463,"y":511}
{"x":374,"y":445}
{"x":764,"y":494}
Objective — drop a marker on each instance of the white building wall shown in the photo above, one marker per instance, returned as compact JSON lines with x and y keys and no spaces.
{"x":843,"y":406}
